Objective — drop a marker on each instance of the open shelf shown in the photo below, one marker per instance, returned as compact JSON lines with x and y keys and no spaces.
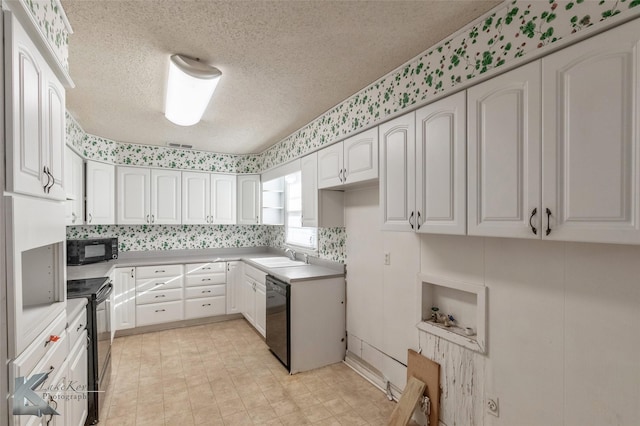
{"x":464,"y":301}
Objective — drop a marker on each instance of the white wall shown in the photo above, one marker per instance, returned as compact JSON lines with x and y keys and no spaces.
{"x":563,"y":321}
{"x":563,"y":332}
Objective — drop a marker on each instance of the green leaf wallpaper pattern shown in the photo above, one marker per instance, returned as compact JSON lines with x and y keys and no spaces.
{"x":48,"y":16}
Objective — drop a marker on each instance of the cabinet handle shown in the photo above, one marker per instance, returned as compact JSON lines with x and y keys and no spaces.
{"x":73,"y":217}
{"x":418,"y":221}
{"x":160,"y":283}
{"x":131,"y":272}
{"x":90,"y":218}
{"x":160,"y":271}
{"x":257,"y":219}
{"x":206,"y":291}
{"x":53,"y":180}
{"x":344,"y":174}
{"x":411,"y":217}
{"x":206,"y":279}
{"x":79,"y":327}
{"x":153,"y":218}
{"x":548,"y":221}
{"x":46,"y":185}
{"x":206,"y":304}
{"x":161,"y":295}
{"x":148,"y":219}
{"x":533,"y":228}
{"x":340,"y":175}
{"x":206,"y":269}
{"x":160,"y":310}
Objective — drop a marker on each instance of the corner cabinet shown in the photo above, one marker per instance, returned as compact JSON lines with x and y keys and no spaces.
{"x":441,"y":160}
{"x":101,"y":184}
{"x":74,"y":179}
{"x":35,"y":118}
{"x":248,"y":199}
{"x":397,"y":173}
{"x":320,"y":208}
{"x":591,"y":139}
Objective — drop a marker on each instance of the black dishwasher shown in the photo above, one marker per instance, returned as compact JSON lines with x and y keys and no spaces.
{"x":278,"y":313}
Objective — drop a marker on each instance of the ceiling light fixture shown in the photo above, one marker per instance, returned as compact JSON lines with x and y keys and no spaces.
{"x":189,"y":89}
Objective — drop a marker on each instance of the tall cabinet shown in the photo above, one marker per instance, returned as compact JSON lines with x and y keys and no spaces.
{"x":100,"y":193}
{"x":248,"y":199}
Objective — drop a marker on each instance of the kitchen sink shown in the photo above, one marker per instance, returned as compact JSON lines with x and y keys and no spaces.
{"x":277,"y":262}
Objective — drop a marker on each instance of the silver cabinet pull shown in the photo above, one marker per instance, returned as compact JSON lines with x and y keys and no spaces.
{"x":206,"y":269}
{"x":160,"y":310}
{"x":161,"y":295}
{"x":90,"y":218}
{"x":160,"y":283}
{"x":344,"y":174}
{"x":73,"y":217}
{"x":153,"y":218}
{"x":79,"y":327}
{"x":160,"y":271}
{"x":131,"y":272}
{"x":206,"y":304}
{"x":206,"y":279}
{"x":206,"y":291}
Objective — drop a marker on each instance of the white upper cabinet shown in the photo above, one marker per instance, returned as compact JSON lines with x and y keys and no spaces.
{"x":35,"y":118}
{"x":101,"y":183}
{"x":441,"y":143}
{"x":591,"y":142}
{"x":74,"y":179}
{"x":504,"y":120}
{"x":196,"y":198}
{"x":352,"y":161}
{"x":166,"y":197}
{"x":223,"y":197}
{"x":248,"y":199}
{"x":134,"y":193}
{"x":397,"y":173}
{"x":148,"y":196}
{"x":361,"y":157}
{"x":309,"y":182}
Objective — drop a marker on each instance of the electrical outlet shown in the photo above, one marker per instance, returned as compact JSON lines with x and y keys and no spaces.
{"x":493,"y":406}
{"x":387,"y":258}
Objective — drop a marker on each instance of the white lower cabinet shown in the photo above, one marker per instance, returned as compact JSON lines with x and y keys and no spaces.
{"x":158,"y":313}
{"x":234,"y":287}
{"x":254,"y":298}
{"x":204,"y":307}
{"x":78,"y":379}
{"x":154,"y":285}
{"x":124,"y":298}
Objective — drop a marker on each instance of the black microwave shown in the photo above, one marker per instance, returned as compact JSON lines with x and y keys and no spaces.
{"x":81,"y":252}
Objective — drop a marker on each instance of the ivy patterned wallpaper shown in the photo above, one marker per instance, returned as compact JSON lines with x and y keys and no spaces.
{"x":48,"y":15}
{"x":512,"y":31}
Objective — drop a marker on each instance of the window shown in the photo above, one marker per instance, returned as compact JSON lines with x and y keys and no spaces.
{"x":295,"y":234}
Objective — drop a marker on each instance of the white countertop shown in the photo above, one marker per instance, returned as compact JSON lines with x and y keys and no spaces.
{"x":313,"y":271}
{"x":74,"y":307}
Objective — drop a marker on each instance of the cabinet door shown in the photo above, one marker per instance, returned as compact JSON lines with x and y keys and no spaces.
{"x":196,"y":198}
{"x":74,"y":187}
{"x":248,"y":199}
{"x":166,"y":197}
{"x":309,"y":182}
{"x":330,"y":166}
{"x":234,"y":271}
{"x":248,"y":300}
{"x":55,"y":135}
{"x":68,"y":214}
{"x":591,"y":142}
{"x":261,"y":308}
{"x":133,"y":205}
{"x":125,"y":298}
{"x":25,"y":118}
{"x":441,"y":163}
{"x":361,"y":157}
{"x":504,"y":155}
{"x":77,"y":409}
{"x":223,"y":199}
{"x":397,"y":173}
{"x":101,"y":179}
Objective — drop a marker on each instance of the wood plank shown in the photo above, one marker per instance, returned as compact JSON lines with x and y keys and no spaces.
{"x":428,"y":372}
{"x":410,"y":397}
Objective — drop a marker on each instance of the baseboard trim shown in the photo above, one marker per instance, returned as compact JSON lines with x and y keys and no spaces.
{"x":176,"y":324}
{"x":371,"y":374}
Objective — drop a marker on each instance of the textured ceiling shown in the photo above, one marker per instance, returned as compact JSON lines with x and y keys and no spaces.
{"x":283,"y":62}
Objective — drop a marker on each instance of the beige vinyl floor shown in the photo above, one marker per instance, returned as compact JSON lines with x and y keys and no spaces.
{"x":223,"y":374}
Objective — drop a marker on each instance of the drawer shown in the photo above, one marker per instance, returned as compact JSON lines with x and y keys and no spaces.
{"x":54,"y":360}
{"x":255,"y":273}
{"x":157,"y":296}
{"x":76,"y":327}
{"x":158,"y":313}
{"x":205,"y":307}
{"x":158,"y":271}
{"x":205,"y":268}
{"x":37,"y":350}
{"x":153,"y":284}
{"x":197,"y":280}
{"x":206,"y":291}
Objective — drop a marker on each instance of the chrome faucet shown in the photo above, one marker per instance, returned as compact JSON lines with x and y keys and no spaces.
{"x":291,"y":253}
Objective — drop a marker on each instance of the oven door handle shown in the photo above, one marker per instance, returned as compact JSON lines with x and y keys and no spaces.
{"x":104,"y":293}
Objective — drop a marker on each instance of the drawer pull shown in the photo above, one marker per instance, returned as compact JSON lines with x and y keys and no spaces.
{"x":53,"y":338}
{"x":160,"y":283}
{"x":161,"y":295}
{"x":160,"y":271}
{"x":206,"y":291}
{"x":206,"y":279}
{"x":79,"y":327}
{"x":160,"y":310}
{"x":206,"y":304}
{"x":206,"y":269}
